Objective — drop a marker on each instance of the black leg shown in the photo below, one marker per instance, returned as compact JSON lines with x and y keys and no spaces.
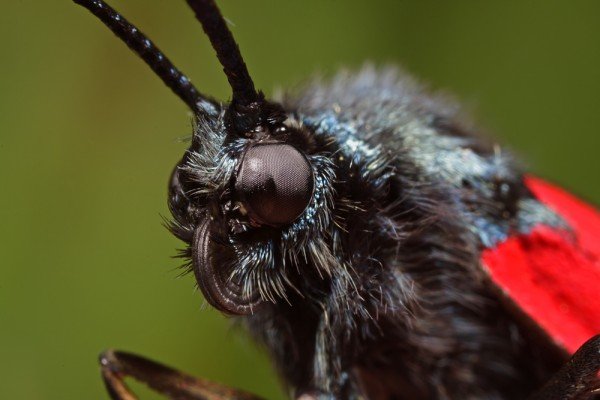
{"x":117,"y":365}
{"x":578,"y":378}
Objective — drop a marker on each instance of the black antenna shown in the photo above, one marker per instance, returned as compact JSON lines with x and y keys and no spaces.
{"x":248,"y":112}
{"x":138,"y":42}
{"x":228,"y":52}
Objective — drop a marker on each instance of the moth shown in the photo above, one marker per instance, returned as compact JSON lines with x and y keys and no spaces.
{"x":372,"y":241}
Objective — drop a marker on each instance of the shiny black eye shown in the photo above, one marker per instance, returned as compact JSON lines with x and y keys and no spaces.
{"x":274,"y":183}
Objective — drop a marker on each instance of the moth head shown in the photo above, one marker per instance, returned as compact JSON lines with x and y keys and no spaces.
{"x":246,"y":179}
{"x":247,"y":206}
{"x":249,"y":192}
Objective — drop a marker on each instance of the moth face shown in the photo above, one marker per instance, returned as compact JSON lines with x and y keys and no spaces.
{"x":247,"y":208}
{"x":248,"y":197}
{"x":274,"y":183}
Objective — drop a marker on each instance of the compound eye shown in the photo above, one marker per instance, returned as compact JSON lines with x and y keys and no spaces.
{"x":275,"y":183}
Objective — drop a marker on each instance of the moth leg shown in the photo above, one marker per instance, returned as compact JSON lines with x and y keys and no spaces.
{"x":117,"y":365}
{"x":578,"y":378}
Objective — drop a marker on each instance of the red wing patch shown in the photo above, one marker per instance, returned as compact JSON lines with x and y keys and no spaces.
{"x":551,"y":275}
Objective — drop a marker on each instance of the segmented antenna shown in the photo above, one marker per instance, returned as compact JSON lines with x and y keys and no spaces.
{"x":228,"y":52}
{"x":138,"y":42}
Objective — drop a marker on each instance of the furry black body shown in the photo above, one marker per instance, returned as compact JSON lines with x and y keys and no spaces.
{"x":376,"y":290}
{"x":344,"y":227}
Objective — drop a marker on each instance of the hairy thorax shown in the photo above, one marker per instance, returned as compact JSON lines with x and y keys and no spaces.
{"x":401,"y":308}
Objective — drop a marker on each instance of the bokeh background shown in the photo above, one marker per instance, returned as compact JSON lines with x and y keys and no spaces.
{"x":88,"y":137}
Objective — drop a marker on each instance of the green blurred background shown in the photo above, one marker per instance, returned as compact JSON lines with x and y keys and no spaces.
{"x":88,"y":137}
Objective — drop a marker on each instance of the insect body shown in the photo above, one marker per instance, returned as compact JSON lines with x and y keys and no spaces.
{"x":345,"y":226}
